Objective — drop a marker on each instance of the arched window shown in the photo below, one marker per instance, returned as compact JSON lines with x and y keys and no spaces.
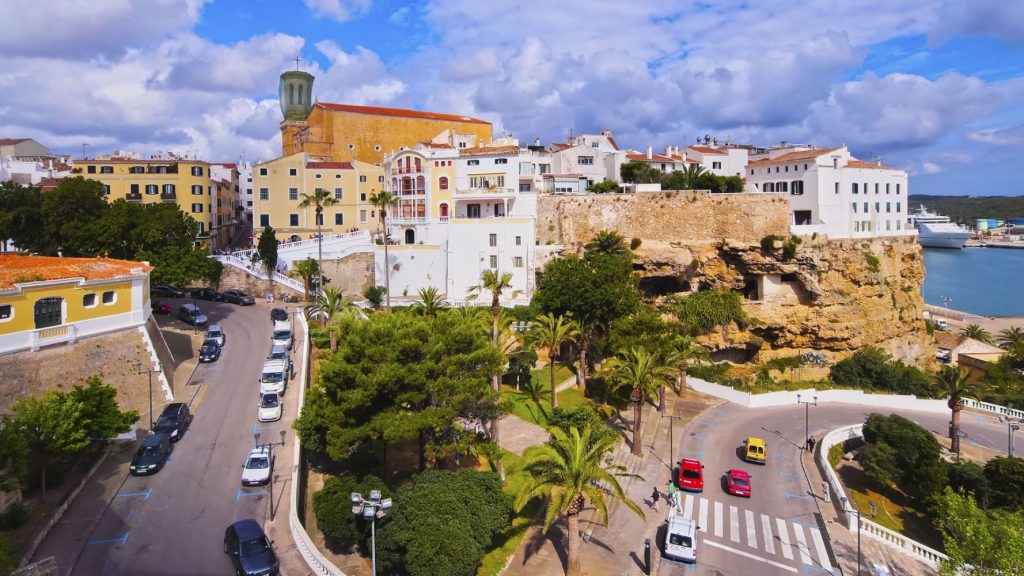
{"x":407,"y":185}
{"x":394,"y":184}
{"x":410,"y":236}
{"x":442,"y":183}
{"x":49,"y":312}
{"x":419,"y":167}
{"x":443,"y":209}
{"x":421,"y":184}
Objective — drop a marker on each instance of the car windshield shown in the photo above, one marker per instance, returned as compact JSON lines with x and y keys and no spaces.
{"x":694,"y":474}
{"x":167,"y":421}
{"x":277,"y":356}
{"x":209,"y":346}
{"x":680,"y":540}
{"x":213,"y":334}
{"x":194,"y":312}
{"x":282,"y":334}
{"x":272,"y":377}
{"x":254,"y":547}
{"x":270,"y":401}
{"x":740,"y":481}
{"x":148,"y":451}
{"x":258,"y":463}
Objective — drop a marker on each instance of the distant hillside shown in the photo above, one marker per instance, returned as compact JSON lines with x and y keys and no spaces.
{"x":969,"y":208}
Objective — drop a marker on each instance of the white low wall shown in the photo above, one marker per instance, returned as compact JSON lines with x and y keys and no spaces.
{"x":858,"y":397}
{"x":993,"y":408}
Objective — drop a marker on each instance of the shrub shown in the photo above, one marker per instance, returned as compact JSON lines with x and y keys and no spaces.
{"x":604,"y":187}
{"x":375,"y":294}
{"x":879,"y":463}
{"x":835,"y":454}
{"x":14,"y":517}
{"x":768,"y":243}
{"x":873,"y":262}
{"x":789,"y":248}
{"x":872,"y":368}
{"x":580,"y":417}
{"x":1005,"y":476}
{"x":917,"y":455}
{"x":333,"y":509}
{"x":970,"y":478}
{"x":635,"y":243}
{"x":705,"y":310}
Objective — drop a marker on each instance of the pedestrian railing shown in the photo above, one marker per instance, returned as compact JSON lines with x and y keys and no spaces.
{"x":993,"y":408}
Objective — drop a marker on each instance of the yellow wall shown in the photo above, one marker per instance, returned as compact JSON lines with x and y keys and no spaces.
{"x":72,"y":293}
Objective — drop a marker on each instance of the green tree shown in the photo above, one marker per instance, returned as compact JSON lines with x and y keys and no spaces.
{"x":953,"y":381}
{"x":917,"y":457}
{"x":604,"y":187}
{"x":52,"y":425}
{"x":549,"y":332}
{"x":608,"y":242}
{"x":375,"y":296}
{"x":1011,"y":336}
{"x":305,"y":270}
{"x":13,"y":455}
{"x":21,"y":218}
{"x":968,"y":477}
{"x":384,"y":201}
{"x":879,"y":464}
{"x":430,"y":302}
{"x":570,"y":471}
{"x":872,"y":368}
{"x":684,"y":352}
{"x":327,"y":308}
{"x":69,"y":213}
{"x":595,"y":289}
{"x":520,"y":366}
{"x":706,"y":310}
{"x":978,"y":543}
{"x":332,"y":506}
{"x":1005,"y":476}
{"x":320,"y":199}
{"x":266,"y":246}
{"x":976,"y":332}
{"x":103,"y":419}
{"x":643,"y":373}
{"x":639,"y":173}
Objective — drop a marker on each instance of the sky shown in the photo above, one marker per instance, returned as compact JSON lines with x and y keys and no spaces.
{"x":932,"y":86}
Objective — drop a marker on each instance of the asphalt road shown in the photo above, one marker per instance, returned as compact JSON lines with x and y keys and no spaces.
{"x":172,"y":523}
{"x":778,"y":530}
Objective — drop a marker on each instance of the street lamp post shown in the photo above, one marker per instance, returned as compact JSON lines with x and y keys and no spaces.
{"x":1011,"y":427}
{"x":371,"y":509}
{"x":807,"y":416}
{"x":150,"y":371}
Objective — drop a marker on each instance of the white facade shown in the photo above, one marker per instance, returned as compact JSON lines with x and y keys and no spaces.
{"x":720,"y":160}
{"x":29,"y":171}
{"x":245,"y":187}
{"x":592,"y":157}
{"x":833,"y":193}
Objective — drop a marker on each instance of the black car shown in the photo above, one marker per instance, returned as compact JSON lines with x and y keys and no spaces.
{"x":238,"y":297}
{"x":167,"y":290}
{"x":173,"y":421}
{"x":278,"y":314}
{"x":249,"y":550}
{"x":152,"y":455}
{"x":207,"y":294}
{"x":209,"y":351}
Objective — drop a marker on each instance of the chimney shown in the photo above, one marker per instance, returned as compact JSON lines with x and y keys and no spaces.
{"x":668,"y":151}
{"x":878,"y":161}
{"x":650,"y":153}
{"x":606,"y":133}
{"x":536,"y":142}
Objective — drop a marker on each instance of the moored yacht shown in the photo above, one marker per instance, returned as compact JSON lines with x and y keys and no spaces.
{"x":937,"y":231}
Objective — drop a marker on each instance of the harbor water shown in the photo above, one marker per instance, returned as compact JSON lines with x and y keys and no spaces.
{"x":983,"y":281}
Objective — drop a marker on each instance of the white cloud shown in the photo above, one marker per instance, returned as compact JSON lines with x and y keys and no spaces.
{"x":987,"y":18}
{"x":1012,"y":136}
{"x":931,"y":168}
{"x":340,"y":10}
{"x":357,"y":77}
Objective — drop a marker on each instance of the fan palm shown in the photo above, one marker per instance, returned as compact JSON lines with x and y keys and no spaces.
{"x":607,"y":242}
{"x":384,"y":201}
{"x":549,"y":332}
{"x":953,"y":381}
{"x":643,"y":372}
{"x":320,"y":198}
{"x":305,"y":270}
{"x":1010,"y":337}
{"x":430,"y":302}
{"x":976,"y":332}
{"x":569,"y":471}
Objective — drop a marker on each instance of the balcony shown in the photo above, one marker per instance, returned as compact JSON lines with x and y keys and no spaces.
{"x":133,"y":197}
{"x":412,"y":192}
{"x":485,"y":192}
{"x":165,"y":197}
{"x":409,"y":219}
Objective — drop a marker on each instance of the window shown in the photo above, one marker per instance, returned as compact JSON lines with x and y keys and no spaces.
{"x":197,"y":208}
{"x":501,"y":160}
{"x":501,"y":181}
{"x":293,"y":193}
{"x":797,"y":187}
{"x":136,"y":170}
{"x":362,"y":216}
{"x":854,"y":207}
{"x":519,"y":240}
{"x":865,"y":207}
{"x":293,"y":219}
{"x":876,"y":187}
{"x":134,"y":190}
{"x":493,"y":240}
{"x":339,"y":219}
{"x":106,"y":189}
{"x":854,"y":187}
{"x":376,"y":148}
{"x":886,"y":187}
{"x":197,"y":170}
{"x":49,"y":312}
{"x":197,"y":190}
{"x":524,"y":186}
{"x":339,"y":193}
{"x":517,"y":261}
{"x":837,"y":187}
{"x":362,"y":196}
{"x":878,"y":207}
{"x":442,"y":183}
{"x":785,"y":168}
{"x":169,"y":189}
{"x":106,"y":169}
{"x":380,"y":178}
{"x":362,"y":178}
{"x":249,"y":203}
{"x":888,"y":207}
{"x":264,"y":193}
{"x":89,"y":300}
{"x":888,"y":225}
{"x":318,"y":176}
{"x":293,"y":172}
{"x":897,"y":189}
{"x":263,"y":171}
{"x":472,"y":162}
{"x":152,"y":189}
{"x":6,"y":312}
{"x":494,"y":261}
{"x":805,"y":166}
{"x":585,"y":160}
{"x":351,"y":146}
{"x":109,"y":297}
{"x":264,"y":220}
{"x":897,"y":206}
{"x":202,"y":228}
{"x":90,"y":169}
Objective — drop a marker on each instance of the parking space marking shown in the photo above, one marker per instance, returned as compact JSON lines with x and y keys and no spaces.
{"x":145,"y":495}
{"x":239,"y":494}
{"x":749,"y":555}
{"x":121,"y":539}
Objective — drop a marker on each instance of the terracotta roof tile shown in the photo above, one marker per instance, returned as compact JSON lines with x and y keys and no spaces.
{"x":793,"y":157}
{"x":484,"y":150}
{"x":12,"y":141}
{"x":15,"y":268}
{"x":231,"y":165}
{"x":870,"y":165}
{"x":654,"y":158}
{"x":612,"y":142}
{"x":429,"y":144}
{"x":706,"y":150}
{"x":328,"y":165}
{"x":378,"y":111}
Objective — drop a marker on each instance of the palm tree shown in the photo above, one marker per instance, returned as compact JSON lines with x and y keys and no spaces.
{"x":305,"y":270}
{"x":327,"y":308}
{"x":430,"y":302}
{"x":581,"y":340}
{"x":319,"y":198}
{"x":953,"y":381}
{"x":549,"y":332}
{"x":383,"y":201}
{"x":607,"y":242}
{"x":569,"y":471}
{"x":683,"y":352}
{"x":691,"y":174}
{"x":1011,"y":337}
{"x":643,"y":372}
{"x":976,"y":332}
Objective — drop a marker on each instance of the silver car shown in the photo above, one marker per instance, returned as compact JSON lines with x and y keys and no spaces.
{"x":215,"y":333}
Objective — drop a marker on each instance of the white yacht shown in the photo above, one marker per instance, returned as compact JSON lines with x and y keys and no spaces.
{"x":937,"y":231}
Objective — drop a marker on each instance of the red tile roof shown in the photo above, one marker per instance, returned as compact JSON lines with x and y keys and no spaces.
{"x":870,"y":165}
{"x":48,"y":184}
{"x":612,"y":142}
{"x":121,"y":160}
{"x":484,"y":150}
{"x":430,"y":144}
{"x":15,"y":268}
{"x":329,"y":165}
{"x":793,"y":157}
{"x":707,"y":150}
{"x":12,"y":141}
{"x":653,"y":158}
{"x":231,"y":165}
{"x":399,"y":112}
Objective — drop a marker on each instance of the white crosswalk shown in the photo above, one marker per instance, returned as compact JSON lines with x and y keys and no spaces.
{"x":790,"y":539}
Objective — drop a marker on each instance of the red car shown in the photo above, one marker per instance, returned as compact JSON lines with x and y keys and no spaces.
{"x":162,"y":307}
{"x":691,"y":475}
{"x":737,"y":483}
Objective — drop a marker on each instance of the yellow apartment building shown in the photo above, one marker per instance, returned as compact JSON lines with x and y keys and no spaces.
{"x":278,"y":186}
{"x":48,"y":300}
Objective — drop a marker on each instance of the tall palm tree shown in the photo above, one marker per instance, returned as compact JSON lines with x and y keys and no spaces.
{"x":1010,"y":337}
{"x":581,"y":341}
{"x":643,"y":372}
{"x":327,"y":308}
{"x":684,"y":351}
{"x":569,"y":471}
{"x":320,"y":198}
{"x":607,"y":242}
{"x":953,"y":381}
{"x":549,"y":332}
{"x":384,"y":201}
{"x":430,"y":302}
{"x":691,"y":174}
{"x":305,"y":270}
{"x":976,"y":332}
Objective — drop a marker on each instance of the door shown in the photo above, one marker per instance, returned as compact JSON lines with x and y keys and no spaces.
{"x":410,"y":236}
{"x":48,"y":312}
{"x":472,"y":210}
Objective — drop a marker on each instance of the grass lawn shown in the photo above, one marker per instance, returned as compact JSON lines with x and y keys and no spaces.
{"x":895,"y":510}
{"x":524,"y":407}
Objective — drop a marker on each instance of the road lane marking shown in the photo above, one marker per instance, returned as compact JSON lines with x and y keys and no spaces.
{"x":801,"y":544}
{"x":703,"y":522}
{"x":719,"y":523}
{"x":239,"y":494}
{"x":121,"y":539}
{"x":688,"y":506}
{"x":784,"y":538}
{"x":751,"y":530}
{"x":734,"y":524}
{"x":145,"y":495}
{"x":766,"y":527}
{"x":199,"y":399}
{"x":749,"y":555}
{"x":819,"y":547}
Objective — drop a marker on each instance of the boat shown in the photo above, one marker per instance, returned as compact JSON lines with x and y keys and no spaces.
{"x":937,"y":231}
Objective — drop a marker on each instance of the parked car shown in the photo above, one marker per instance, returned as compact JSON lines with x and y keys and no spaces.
{"x":270,"y":407}
{"x":259,"y":466}
{"x":152,"y":455}
{"x":174,"y":421}
{"x":209,"y":351}
{"x":755,"y":450}
{"x":161,"y":307}
{"x":691,"y":475}
{"x":167,"y":290}
{"x":680,"y":537}
{"x":737,"y":483}
{"x":191,"y":314}
{"x":207,"y":294}
{"x":274,"y":377}
{"x":282,"y":334}
{"x":238,"y":297}
{"x":215,"y":333}
{"x":250,"y":552}
{"x":279,"y":352}
{"x":278,"y":315}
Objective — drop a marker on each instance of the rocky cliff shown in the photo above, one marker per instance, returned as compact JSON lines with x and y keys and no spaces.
{"x":830,"y":296}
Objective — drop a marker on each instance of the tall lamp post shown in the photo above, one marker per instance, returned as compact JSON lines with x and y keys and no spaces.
{"x":371,"y":509}
{"x":150,"y":371}
{"x":1011,"y":427}
{"x":807,"y":416}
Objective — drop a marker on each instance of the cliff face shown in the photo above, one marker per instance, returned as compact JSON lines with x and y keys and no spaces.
{"x":831,"y":296}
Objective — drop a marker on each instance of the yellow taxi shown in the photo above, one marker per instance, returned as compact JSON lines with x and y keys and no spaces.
{"x":756,"y":451}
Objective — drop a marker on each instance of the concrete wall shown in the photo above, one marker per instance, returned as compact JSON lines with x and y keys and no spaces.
{"x":350,"y":273}
{"x":235,"y":279}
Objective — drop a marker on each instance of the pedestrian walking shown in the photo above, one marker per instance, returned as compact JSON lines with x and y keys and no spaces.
{"x":810,"y":444}
{"x":672,"y":494}
{"x":655,"y":496}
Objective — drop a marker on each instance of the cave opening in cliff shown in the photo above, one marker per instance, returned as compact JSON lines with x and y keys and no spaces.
{"x":652,"y":286}
{"x":750,"y":289}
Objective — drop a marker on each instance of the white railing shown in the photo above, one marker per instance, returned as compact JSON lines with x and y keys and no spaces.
{"x":410,"y":219}
{"x":317,"y":562}
{"x":480,"y":191}
{"x":53,"y":335}
{"x":358,"y":235}
{"x":858,"y":397}
{"x":258,"y":271}
{"x":993,"y":408}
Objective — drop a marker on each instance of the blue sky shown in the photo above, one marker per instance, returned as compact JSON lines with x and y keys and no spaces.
{"x":933,"y":86}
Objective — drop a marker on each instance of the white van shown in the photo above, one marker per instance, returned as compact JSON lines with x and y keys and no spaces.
{"x":680,"y":537}
{"x":274,"y":377}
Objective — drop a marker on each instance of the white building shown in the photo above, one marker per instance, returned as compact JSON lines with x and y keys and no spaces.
{"x":583,"y":161}
{"x":27,"y":162}
{"x":671,"y":161}
{"x":245,"y":187}
{"x":719,"y":160}
{"x":833,"y":193}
